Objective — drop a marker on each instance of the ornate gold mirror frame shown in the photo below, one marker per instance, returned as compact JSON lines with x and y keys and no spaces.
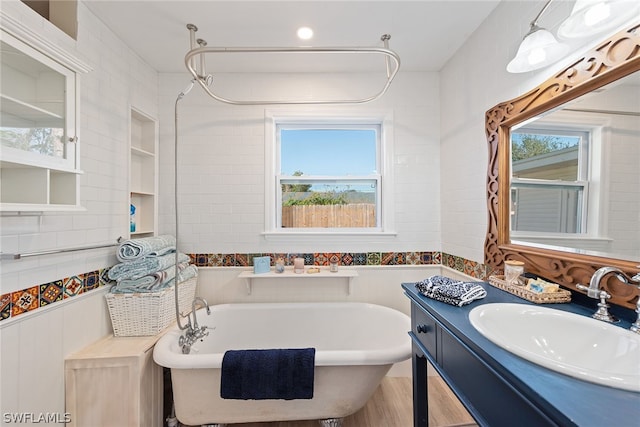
{"x":611,"y":60}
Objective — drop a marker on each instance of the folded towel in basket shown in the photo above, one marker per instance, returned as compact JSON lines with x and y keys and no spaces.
{"x":133,"y":249}
{"x":451,"y":291}
{"x":268,"y":374}
{"x":157,"y":281}
{"x":132,"y":270}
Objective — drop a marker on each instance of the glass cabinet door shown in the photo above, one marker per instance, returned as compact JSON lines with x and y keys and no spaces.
{"x":37,"y":106}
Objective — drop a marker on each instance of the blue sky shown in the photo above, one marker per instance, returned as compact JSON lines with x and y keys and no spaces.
{"x":328,"y":151}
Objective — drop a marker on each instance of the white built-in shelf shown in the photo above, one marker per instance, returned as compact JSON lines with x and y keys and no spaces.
{"x":288,"y":273}
{"x":143,"y":173}
{"x":140,"y":152}
{"x":31,"y":110}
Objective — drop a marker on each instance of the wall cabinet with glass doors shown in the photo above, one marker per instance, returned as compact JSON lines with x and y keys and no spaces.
{"x":39,"y":155}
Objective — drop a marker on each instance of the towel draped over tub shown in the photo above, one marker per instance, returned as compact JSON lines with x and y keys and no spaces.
{"x":268,"y":374}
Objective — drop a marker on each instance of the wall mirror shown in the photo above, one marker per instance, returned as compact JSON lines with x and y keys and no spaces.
{"x":563,"y":183}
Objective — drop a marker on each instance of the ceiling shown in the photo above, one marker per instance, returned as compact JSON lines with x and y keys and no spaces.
{"x":425,"y":34}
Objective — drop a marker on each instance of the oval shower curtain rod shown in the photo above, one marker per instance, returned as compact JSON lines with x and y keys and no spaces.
{"x":391,"y":60}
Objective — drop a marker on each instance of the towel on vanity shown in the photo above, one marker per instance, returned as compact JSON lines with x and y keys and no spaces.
{"x":268,"y":374}
{"x":451,"y":291}
{"x":134,"y":249}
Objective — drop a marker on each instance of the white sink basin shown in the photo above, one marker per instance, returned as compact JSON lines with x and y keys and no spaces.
{"x":568,"y":343}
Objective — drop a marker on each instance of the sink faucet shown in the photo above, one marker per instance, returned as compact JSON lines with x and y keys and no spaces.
{"x":594,"y":291}
{"x":633,"y":281}
{"x":193,"y":331}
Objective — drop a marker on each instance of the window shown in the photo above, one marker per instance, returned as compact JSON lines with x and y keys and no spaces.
{"x":329,"y":175}
{"x":549,"y":180}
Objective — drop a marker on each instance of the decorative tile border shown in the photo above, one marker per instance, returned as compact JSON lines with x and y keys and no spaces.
{"x":16,"y":303}
{"x":26,"y":300}
{"x":321,"y":258}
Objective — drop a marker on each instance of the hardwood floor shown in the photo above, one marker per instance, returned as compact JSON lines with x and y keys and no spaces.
{"x":392,"y":406}
{"x":444,"y":407}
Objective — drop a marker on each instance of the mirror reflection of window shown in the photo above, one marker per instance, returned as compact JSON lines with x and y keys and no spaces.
{"x":550,"y":175}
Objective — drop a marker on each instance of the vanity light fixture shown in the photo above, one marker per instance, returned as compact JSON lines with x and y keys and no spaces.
{"x":592,"y":17}
{"x":305,"y":33}
{"x":538,"y":49}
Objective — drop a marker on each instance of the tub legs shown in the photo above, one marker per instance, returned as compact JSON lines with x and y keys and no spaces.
{"x":331,"y":422}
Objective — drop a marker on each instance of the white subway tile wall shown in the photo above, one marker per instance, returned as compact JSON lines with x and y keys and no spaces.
{"x":34,"y":348}
{"x":221,"y":161}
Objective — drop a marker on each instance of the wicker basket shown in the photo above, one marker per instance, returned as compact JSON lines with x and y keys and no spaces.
{"x":522,"y":292}
{"x":146,"y":314}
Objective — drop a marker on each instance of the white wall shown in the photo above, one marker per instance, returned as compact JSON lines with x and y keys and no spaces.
{"x":221,"y":172}
{"x":222,"y":161}
{"x":34,"y":345}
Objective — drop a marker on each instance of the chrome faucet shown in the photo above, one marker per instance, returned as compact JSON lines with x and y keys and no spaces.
{"x":193,"y":332}
{"x":594,"y":291}
{"x":633,"y":281}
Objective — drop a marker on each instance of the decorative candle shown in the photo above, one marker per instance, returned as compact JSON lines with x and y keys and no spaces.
{"x":333,"y":264}
{"x":298,"y":265}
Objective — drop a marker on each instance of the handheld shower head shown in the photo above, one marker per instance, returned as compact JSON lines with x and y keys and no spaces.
{"x":187,"y":89}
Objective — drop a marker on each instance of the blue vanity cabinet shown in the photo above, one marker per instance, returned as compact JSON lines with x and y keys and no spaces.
{"x":487,"y":397}
{"x":498,"y":388}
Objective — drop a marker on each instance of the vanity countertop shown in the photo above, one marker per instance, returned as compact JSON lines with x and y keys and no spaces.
{"x":566,"y":398}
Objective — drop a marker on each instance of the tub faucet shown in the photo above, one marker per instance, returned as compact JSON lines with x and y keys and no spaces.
{"x":194,"y":305}
{"x":193,"y":331}
{"x":594,"y":291}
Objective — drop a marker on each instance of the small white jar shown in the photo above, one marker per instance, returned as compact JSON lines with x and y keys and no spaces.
{"x":512,"y":272}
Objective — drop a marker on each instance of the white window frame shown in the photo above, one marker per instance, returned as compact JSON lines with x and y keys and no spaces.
{"x":591,"y":169}
{"x":385,"y":186}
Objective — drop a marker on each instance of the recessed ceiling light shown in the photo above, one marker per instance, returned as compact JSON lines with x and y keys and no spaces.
{"x":305,"y":33}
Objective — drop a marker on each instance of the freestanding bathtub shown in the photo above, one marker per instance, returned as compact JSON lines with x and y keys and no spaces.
{"x":356,"y":345}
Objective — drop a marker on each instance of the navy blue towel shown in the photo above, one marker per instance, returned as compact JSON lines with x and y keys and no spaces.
{"x":268,"y":374}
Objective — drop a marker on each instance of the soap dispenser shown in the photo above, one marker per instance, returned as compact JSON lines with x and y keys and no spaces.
{"x":132,"y":219}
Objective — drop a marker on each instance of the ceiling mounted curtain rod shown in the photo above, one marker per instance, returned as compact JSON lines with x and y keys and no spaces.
{"x":198,"y":71}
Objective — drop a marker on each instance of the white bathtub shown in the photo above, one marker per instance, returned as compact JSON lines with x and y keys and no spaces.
{"x":356,"y":344}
